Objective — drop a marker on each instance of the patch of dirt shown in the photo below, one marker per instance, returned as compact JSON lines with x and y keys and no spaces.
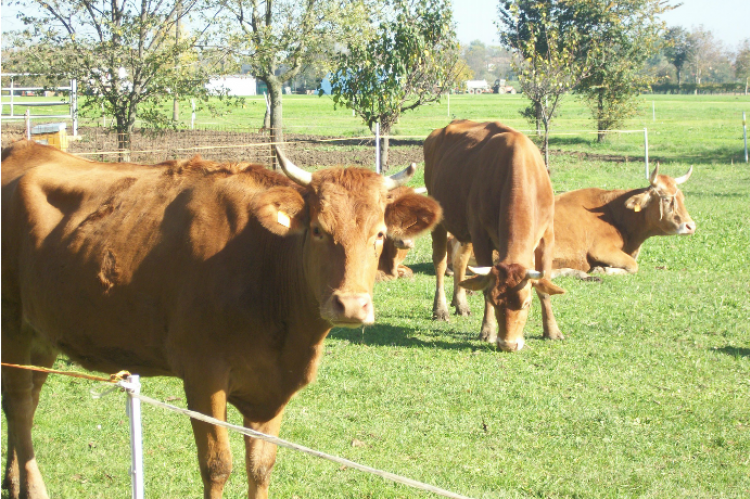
{"x":232,"y":146}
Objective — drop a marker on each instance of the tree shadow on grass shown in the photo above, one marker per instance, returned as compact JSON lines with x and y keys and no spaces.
{"x":735,"y":351}
{"x":425,"y":268}
{"x":388,"y":335}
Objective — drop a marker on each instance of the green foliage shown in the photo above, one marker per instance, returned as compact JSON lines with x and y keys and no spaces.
{"x":618,"y":37}
{"x":742,"y":60}
{"x":551,"y":58}
{"x":410,"y":60}
{"x":678,"y":49}
{"x":125,"y":55}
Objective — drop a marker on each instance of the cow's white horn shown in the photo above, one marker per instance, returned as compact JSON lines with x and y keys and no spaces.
{"x":420,"y":190}
{"x":654,"y":174}
{"x":534,"y":274}
{"x":293,"y":171}
{"x":400,"y":178}
{"x":683,"y":179}
{"x":480,"y":270}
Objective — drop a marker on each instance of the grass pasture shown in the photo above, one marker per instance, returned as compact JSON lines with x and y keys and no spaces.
{"x":647,"y":397}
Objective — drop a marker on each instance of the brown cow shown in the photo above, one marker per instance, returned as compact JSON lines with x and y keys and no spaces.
{"x":602,"y":231}
{"x":496,"y":193}
{"x":395,"y":251}
{"x":228,"y":276}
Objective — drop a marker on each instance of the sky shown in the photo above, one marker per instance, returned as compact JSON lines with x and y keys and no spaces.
{"x":728,"y":20}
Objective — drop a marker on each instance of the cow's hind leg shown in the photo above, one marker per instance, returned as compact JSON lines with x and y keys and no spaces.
{"x":260,"y":456}
{"x":460,"y":261}
{"x":207,"y":394}
{"x":440,"y":261}
{"x":20,"y":393}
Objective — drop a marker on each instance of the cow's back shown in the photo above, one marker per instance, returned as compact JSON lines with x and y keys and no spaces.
{"x":481,"y":171}
{"x":108,"y":259}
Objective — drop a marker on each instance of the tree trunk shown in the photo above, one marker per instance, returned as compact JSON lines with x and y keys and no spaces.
{"x":678,"y":78}
{"x":384,"y":150}
{"x":600,"y":121}
{"x":123,"y":138}
{"x":274,"y":94}
{"x":175,"y":110}
{"x":538,"y":112}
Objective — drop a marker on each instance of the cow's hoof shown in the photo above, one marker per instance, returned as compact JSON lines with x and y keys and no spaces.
{"x":463,"y":310}
{"x":488,"y":336}
{"x":554,"y":336}
{"x":440,"y":315}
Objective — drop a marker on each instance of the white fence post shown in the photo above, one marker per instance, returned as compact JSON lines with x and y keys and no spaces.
{"x":133,"y":387}
{"x":12,"y":91}
{"x":744,"y":133}
{"x":192,"y":116}
{"x":73,"y":99}
{"x":377,"y":147}
{"x":27,"y":119}
{"x":645,"y":148}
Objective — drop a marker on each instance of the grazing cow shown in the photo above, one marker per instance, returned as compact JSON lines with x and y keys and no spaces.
{"x":603,"y":230}
{"x":495,"y":192}
{"x":227,"y":276}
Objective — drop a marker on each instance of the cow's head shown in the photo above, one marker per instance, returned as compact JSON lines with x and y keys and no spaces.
{"x":664,"y":205}
{"x":345,"y":216}
{"x":508,"y":288}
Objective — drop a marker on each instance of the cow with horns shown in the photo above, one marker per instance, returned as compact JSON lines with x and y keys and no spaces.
{"x":496,"y":193}
{"x":228,"y":276}
{"x":603,"y":230}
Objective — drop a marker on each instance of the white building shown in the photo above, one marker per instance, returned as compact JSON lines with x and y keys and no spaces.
{"x":235,"y":85}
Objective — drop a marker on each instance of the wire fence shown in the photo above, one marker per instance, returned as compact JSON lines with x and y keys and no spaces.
{"x":132,"y":386}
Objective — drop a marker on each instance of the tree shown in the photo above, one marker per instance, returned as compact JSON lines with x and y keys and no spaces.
{"x":411,"y":60}
{"x":618,"y":38}
{"x":279,"y":38}
{"x":742,"y":62}
{"x":549,"y":58}
{"x":122,"y":52}
{"x":678,"y":49}
{"x":709,"y":59}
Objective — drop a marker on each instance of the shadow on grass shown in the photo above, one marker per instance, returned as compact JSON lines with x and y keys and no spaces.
{"x":735,"y":351}
{"x":425,"y":268}
{"x":388,"y":335}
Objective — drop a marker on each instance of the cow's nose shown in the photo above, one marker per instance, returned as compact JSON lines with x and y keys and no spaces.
{"x":689,"y":227}
{"x":355,"y":308}
{"x":510,"y":346}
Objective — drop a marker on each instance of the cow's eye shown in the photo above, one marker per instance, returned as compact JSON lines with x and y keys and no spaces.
{"x":381,"y":235}
{"x":317,"y":233}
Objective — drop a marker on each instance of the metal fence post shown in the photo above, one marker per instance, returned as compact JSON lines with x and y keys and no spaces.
{"x":645,"y":148}
{"x":27,"y":120}
{"x":133,"y":387}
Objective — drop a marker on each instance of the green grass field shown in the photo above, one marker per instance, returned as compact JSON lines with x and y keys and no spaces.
{"x":647,"y":397}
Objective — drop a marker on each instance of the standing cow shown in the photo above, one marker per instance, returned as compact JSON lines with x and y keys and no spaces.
{"x":495,"y":192}
{"x":603,"y":230}
{"x":228,"y":276}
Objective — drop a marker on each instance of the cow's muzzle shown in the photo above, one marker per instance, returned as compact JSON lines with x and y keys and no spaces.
{"x":687,"y":228}
{"x":350,"y":309}
{"x":510,"y":346}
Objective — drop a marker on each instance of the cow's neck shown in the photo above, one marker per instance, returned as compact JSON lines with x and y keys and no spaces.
{"x":633,"y":226}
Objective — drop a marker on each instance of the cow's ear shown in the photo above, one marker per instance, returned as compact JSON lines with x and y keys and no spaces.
{"x":546,"y":286}
{"x":281,"y":210}
{"x":478,"y":282}
{"x":638,"y":201}
{"x":411,"y":214}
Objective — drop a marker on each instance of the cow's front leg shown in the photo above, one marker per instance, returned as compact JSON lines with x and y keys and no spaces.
{"x":615,"y":261}
{"x":488,"y":332}
{"x":460,"y":262}
{"x":543,"y":256}
{"x":209,"y":396}
{"x":260,"y":457}
{"x":440,"y":261}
